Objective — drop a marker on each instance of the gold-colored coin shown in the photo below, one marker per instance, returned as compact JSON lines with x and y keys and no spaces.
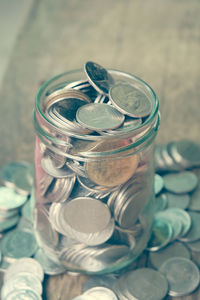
{"x":111,"y":172}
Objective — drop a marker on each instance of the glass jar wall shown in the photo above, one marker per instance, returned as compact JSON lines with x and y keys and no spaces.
{"x":94,"y":183}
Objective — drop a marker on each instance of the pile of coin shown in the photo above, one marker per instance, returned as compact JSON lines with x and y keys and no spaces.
{"x":89,"y":195}
{"x":23,"y":280}
{"x":177,"y":156}
{"x":17,"y":180}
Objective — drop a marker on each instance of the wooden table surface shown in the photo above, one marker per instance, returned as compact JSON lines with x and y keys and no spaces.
{"x":158,"y":41}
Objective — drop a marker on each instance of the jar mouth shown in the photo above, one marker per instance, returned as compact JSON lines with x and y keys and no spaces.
{"x":147,"y":129}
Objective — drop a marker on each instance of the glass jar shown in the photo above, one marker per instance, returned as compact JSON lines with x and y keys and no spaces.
{"x":94,"y":191}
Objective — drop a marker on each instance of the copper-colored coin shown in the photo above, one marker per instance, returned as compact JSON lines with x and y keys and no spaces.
{"x":111,"y":172}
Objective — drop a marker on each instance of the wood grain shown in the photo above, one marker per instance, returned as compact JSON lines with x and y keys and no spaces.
{"x":158,"y":41}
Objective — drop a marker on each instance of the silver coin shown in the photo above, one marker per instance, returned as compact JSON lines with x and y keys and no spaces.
{"x":66,"y":120}
{"x":23,"y":265}
{"x":86,"y":215}
{"x":131,"y":209}
{"x":44,"y":183}
{"x":178,"y":200}
{"x":170,"y":216}
{"x":87,"y":184}
{"x":194,"y":232}
{"x":175,"y":249}
{"x":18,"y":175}
{"x":48,"y":166}
{"x":183,"y":216}
{"x":158,"y":183}
{"x":22,"y":281}
{"x":99,"y":116}
{"x":60,"y":189}
{"x":186,"y":153}
{"x":182,"y":275}
{"x":180,"y":183}
{"x":98,"y":77}
{"x":23,"y":294}
{"x":162,"y":232}
{"x":101,"y":293}
{"x":86,"y":219}
{"x":145,"y":283}
{"x":66,"y":98}
{"x":9,"y":199}
{"x":49,"y":265}
{"x":18,"y":243}
{"x":130,"y":100}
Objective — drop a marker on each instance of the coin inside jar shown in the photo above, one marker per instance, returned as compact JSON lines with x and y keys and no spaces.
{"x":111,"y":172}
{"x":86,"y":215}
{"x":99,"y":116}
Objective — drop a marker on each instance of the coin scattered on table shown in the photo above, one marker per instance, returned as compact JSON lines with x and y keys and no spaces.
{"x":23,"y":280}
{"x":144,"y":283}
{"x":162,"y":232}
{"x":18,"y":243}
{"x":194,"y":233}
{"x":130,"y":100}
{"x":182,"y":275}
{"x":174,"y":249}
{"x":183,"y":182}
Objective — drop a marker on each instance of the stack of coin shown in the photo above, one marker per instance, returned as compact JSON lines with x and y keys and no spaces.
{"x":23,"y":280}
{"x":176,"y":156}
{"x":86,"y":192}
{"x":17,"y":182}
{"x":10,"y":206}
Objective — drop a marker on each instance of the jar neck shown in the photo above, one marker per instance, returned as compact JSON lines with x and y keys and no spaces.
{"x":89,"y":146}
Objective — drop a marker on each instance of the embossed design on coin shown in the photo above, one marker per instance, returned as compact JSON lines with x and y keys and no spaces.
{"x":129,"y":100}
{"x":99,"y":116}
{"x":182,"y":275}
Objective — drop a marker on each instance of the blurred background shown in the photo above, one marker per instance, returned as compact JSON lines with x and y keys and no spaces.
{"x":158,"y":41}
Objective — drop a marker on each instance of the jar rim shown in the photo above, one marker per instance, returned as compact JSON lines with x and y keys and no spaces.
{"x":149,"y":120}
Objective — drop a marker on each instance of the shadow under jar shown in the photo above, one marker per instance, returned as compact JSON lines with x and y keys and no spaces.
{"x":94,"y":170}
